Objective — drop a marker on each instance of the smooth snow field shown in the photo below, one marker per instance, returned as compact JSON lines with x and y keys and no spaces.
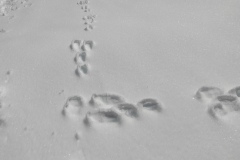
{"x":119,"y":80}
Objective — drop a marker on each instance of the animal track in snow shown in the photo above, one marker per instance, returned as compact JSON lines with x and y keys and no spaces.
{"x":113,"y":108}
{"x":76,"y":45}
{"x":219,"y":103}
{"x":106,"y":108}
{"x":87,"y":10}
{"x":81,"y":45}
{"x":128,"y":109}
{"x":78,"y":135}
{"x":88,"y":27}
{"x":84,"y":68}
{"x":229,"y":101}
{"x":102,"y":116}
{"x":73,"y":107}
{"x":87,"y":45}
{"x":106,"y":99}
{"x":227,"y":98}
{"x":81,"y":69}
{"x":235,"y":91}
{"x":83,"y":2}
{"x":150,"y":104}
{"x":81,"y":48}
{"x":216,"y":110}
{"x":80,"y":58}
{"x":89,"y":19}
{"x":207,"y":93}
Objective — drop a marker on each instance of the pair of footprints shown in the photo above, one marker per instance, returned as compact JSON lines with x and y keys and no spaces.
{"x":88,"y":21}
{"x":83,"y":2}
{"x":81,"y":48}
{"x":84,"y":5}
{"x":85,"y":8}
{"x":107,"y":108}
{"x":219,"y":103}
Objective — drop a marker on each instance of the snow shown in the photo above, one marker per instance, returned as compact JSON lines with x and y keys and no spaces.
{"x":161,"y":50}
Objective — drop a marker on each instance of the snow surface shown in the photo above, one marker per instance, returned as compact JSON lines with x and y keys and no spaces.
{"x":154,"y":83}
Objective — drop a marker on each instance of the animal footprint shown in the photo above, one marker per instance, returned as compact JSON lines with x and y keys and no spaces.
{"x":76,"y":45}
{"x":230,"y":101}
{"x":80,"y":58}
{"x":218,"y":103}
{"x":89,"y":27}
{"x":128,"y":109}
{"x":150,"y":104}
{"x":206,"y":93}
{"x":105,"y":99}
{"x":102,"y":116}
{"x":217,"y":110}
{"x":83,"y":2}
{"x":87,"y":45}
{"x":81,"y":45}
{"x":87,"y":10}
{"x":227,"y":98}
{"x":89,"y":18}
{"x":235,"y":91}
{"x":84,"y":68}
{"x":81,"y":69}
{"x":73,"y":106}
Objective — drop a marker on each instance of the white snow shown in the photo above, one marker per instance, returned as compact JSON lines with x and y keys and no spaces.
{"x":163,"y":50}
